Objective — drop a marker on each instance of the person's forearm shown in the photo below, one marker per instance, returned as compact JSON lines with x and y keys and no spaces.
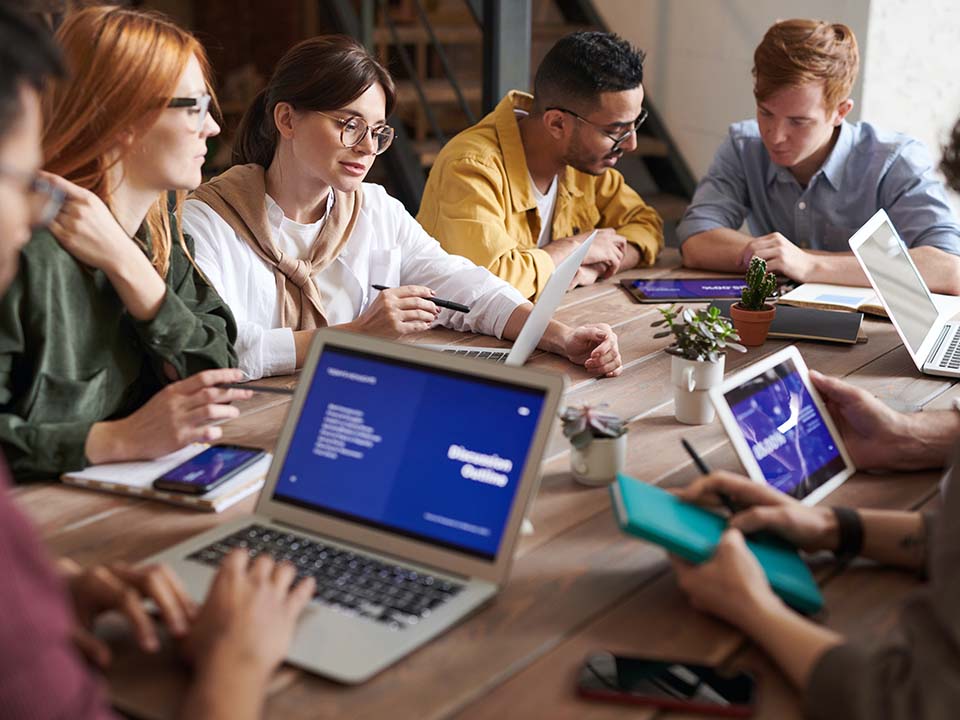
{"x":928,"y":439}
{"x":140,"y":287}
{"x":554,"y":338}
{"x":894,"y":538}
{"x":302,"y":340}
{"x":835,"y":268}
{"x":225,"y":690}
{"x":939,"y":269}
{"x":560,"y":249}
{"x":516,"y":321}
{"x":719,"y":249}
{"x":631,"y":257}
{"x":794,"y":643}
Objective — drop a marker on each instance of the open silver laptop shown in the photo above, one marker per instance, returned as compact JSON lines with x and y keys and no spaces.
{"x":399,"y":483}
{"x":539,"y":317}
{"x":920,"y":317}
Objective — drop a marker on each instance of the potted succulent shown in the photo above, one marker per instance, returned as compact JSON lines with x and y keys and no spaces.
{"x":752,"y":315}
{"x":598,"y":443}
{"x":700,"y":341}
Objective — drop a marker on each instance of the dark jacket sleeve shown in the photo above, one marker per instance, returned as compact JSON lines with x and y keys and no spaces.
{"x":916,"y":675}
{"x":194,"y":329}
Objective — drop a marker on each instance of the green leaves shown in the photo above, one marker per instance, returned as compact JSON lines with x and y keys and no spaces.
{"x":702,"y":335}
{"x":760,"y":285}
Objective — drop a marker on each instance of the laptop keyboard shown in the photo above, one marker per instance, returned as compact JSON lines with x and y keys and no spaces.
{"x":495,"y":355}
{"x":358,"y":584}
{"x":951,"y":356}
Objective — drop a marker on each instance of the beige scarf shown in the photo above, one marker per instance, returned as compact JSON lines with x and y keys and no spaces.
{"x":239,"y":197}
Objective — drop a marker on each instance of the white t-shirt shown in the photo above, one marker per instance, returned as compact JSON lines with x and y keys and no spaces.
{"x":545,"y":207}
{"x":387,"y":247}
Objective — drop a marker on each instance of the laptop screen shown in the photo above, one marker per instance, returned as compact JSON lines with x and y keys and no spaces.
{"x":902,"y":288}
{"x":427,"y":453}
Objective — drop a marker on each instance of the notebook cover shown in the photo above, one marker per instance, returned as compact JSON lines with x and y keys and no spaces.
{"x":692,"y":533}
{"x":810,"y":324}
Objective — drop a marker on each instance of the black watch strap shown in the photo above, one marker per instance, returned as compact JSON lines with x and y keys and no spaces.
{"x":850,"y":531}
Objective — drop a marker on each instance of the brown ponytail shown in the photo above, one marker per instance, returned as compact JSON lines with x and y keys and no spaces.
{"x":323,"y":73}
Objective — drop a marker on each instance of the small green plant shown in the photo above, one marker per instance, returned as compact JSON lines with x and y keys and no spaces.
{"x":702,"y":335}
{"x":583,"y":423}
{"x":760,"y":285}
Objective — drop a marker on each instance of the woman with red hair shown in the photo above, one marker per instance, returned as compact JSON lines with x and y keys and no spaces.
{"x":110,"y":337}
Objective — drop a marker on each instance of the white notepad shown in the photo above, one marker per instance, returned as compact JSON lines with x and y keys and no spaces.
{"x":136,"y":478}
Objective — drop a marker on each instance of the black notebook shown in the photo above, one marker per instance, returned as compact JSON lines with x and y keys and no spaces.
{"x":796,"y":323}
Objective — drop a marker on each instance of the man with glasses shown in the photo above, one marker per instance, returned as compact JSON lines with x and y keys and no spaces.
{"x":803,"y":178}
{"x":519,"y":191}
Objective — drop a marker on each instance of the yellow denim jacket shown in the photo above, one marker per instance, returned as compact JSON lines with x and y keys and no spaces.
{"x":478,"y":203}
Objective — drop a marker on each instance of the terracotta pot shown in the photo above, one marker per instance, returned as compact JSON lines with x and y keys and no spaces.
{"x":753,"y":326}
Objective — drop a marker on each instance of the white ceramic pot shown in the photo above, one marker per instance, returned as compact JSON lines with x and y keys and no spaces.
{"x":600,"y":461}
{"x":691,"y":381}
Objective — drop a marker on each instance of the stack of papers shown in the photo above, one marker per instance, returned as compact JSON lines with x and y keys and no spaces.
{"x":136,"y":478}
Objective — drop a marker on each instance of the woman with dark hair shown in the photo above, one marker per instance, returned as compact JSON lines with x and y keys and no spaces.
{"x":294,"y":240}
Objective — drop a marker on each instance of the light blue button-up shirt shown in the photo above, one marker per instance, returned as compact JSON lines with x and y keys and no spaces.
{"x":866,"y":170}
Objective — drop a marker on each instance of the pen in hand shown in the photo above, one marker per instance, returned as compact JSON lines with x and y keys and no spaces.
{"x":256,"y":388}
{"x":705,"y":470}
{"x":449,"y":304}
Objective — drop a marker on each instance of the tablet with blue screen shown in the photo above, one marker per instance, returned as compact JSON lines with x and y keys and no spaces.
{"x":698,"y":290}
{"x":781,"y":429}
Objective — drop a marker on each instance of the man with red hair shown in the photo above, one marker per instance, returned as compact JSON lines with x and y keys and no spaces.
{"x":804,"y":179}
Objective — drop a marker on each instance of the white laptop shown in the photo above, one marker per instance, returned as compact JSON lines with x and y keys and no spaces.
{"x":921,"y":318}
{"x":539,"y":317}
{"x":399,"y":481}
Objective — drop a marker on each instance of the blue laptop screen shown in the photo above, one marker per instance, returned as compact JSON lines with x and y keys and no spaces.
{"x":427,"y":453}
{"x":785,"y":431}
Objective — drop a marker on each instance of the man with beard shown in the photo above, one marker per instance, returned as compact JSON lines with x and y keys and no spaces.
{"x":519,"y":191}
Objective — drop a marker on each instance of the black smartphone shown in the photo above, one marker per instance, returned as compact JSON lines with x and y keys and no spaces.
{"x":208,"y":469}
{"x":666,"y":684}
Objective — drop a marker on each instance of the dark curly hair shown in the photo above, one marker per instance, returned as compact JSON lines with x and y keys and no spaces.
{"x":950,"y":165}
{"x":584,"y":64}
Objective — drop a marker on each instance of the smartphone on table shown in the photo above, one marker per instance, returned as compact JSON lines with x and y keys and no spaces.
{"x":208,"y":469}
{"x":666,"y":684}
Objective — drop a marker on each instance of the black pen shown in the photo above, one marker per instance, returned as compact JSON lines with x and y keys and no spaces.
{"x":705,"y":470}
{"x":449,"y":304}
{"x":256,"y":388}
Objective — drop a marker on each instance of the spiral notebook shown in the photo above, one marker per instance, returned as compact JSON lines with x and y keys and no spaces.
{"x":136,"y":479}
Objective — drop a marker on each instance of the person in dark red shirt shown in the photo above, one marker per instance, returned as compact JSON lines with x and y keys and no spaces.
{"x":240,"y":634}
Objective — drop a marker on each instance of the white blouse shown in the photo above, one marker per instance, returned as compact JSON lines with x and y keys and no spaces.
{"x":387,"y":247}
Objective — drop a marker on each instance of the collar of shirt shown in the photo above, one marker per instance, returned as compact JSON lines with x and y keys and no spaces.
{"x":832,"y":168}
{"x":275,"y":215}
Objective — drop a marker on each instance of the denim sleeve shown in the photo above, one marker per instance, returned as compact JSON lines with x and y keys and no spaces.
{"x":916,"y":201}
{"x":721,"y":199}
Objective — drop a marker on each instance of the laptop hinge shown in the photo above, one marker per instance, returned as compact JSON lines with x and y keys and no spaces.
{"x":937,"y":345}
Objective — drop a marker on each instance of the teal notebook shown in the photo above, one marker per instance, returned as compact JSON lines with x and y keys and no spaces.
{"x":693,"y":533}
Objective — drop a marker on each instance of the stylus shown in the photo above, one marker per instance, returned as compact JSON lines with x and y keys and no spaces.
{"x":256,"y":388}
{"x":449,"y":304}
{"x":705,"y":470}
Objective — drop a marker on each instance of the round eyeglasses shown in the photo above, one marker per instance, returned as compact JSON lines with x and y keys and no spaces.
{"x":198,"y":107}
{"x":43,"y":198}
{"x":353,"y":130}
{"x":618,"y":140}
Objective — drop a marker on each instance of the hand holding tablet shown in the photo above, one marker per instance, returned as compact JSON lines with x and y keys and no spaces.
{"x":781,"y":429}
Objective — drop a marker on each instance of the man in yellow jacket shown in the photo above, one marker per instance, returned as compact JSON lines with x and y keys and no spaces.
{"x":519,"y":191}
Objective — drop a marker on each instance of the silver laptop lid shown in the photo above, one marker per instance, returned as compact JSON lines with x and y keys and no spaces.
{"x":897,"y":282}
{"x":423,"y":456}
{"x":547,"y":304}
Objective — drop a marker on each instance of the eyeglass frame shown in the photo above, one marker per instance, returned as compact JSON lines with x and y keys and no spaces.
{"x":202,"y":102}
{"x":368,"y":129}
{"x":34,"y":183}
{"x":617,"y":141}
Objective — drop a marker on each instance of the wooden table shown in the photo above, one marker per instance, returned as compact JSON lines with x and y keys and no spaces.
{"x":578,"y":584}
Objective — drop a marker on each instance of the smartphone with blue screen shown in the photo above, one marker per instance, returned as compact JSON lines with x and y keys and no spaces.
{"x":208,"y":469}
{"x":666,"y":684}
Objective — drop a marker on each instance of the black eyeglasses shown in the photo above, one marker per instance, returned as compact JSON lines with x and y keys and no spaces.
{"x":44,"y":199}
{"x":353,"y":130}
{"x":618,"y":140}
{"x":200,"y":106}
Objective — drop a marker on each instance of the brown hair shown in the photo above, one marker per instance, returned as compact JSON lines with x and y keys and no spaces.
{"x":950,"y":165}
{"x":797,"y":52}
{"x":123,"y":64}
{"x":322,"y":73}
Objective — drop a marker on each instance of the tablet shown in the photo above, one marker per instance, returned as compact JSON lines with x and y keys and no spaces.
{"x":780,"y":428}
{"x":701,"y":290}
